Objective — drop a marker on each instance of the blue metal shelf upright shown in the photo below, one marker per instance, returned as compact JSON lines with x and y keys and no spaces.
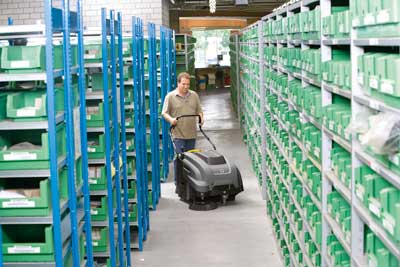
{"x":57,"y":165}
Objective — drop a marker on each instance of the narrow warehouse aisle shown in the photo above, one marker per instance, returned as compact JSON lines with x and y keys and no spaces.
{"x":235,"y":235}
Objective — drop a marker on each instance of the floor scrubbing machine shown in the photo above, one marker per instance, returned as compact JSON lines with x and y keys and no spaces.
{"x":205,"y":178}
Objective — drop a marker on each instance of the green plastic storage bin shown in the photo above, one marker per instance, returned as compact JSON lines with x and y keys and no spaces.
{"x":95,"y":113}
{"x":133,"y":213}
{"x":100,"y":239}
{"x":390,"y":203}
{"x":32,"y":105}
{"x":97,"y":145}
{"x":32,"y":151}
{"x":27,"y":243}
{"x":98,"y":177}
{"x":28,"y":59}
{"x":378,"y":255}
{"x":99,"y":209}
{"x":35,"y":196}
{"x":93,"y":52}
{"x":97,"y":82}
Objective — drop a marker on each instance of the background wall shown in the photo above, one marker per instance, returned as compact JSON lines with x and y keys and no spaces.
{"x":28,"y":12}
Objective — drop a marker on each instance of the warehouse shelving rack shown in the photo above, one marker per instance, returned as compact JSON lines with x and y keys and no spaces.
{"x":107,"y":98}
{"x":168,"y":83}
{"x":140,"y":129}
{"x":250,"y":92}
{"x":164,"y":90}
{"x":65,"y":234}
{"x":235,"y":76}
{"x":171,"y":75}
{"x":124,"y":170}
{"x":126,"y":106}
{"x":352,"y":236}
{"x":154,"y":116}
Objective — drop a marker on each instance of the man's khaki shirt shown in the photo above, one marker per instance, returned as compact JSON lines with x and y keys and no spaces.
{"x":176,"y":105}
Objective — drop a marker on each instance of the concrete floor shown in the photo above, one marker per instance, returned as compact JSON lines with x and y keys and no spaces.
{"x":236,"y":235}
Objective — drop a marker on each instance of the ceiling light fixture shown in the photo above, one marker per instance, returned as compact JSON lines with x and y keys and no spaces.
{"x":213,"y":5}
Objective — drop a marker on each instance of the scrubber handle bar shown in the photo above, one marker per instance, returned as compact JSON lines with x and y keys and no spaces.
{"x":201,"y":130}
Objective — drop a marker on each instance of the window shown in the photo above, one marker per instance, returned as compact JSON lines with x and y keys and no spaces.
{"x":212,"y":48}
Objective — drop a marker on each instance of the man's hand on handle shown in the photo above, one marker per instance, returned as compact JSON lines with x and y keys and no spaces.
{"x":174,"y":121}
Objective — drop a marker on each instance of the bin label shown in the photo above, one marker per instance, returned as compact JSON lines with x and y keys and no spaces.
{"x":387,"y":87}
{"x":369,"y":19}
{"x":373,"y":82}
{"x":89,"y":56}
{"x":20,"y":64}
{"x":26,"y":112}
{"x":20,"y":156}
{"x":375,"y":207}
{"x":383,"y":16}
{"x":360,"y":192}
{"x":91,"y":149}
{"x":360,"y":78}
{"x":93,"y":212}
{"x":19,"y":203}
{"x":92,"y":181}
{"x":372,"y":262}
{"x":95,"y":243}
{"x":388,"y":223}
{"x":23,"y":250}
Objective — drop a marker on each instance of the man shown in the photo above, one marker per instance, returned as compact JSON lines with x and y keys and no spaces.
{"x":183,"y":101}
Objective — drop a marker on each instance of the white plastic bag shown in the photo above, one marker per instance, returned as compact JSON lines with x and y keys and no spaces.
{"x":360,"y":124}
{"x":383,"y":136}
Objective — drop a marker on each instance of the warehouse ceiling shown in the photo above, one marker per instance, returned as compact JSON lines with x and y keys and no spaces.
{"x":246,"y":6}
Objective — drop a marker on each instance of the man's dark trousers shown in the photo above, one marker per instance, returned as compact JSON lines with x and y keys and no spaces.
{"x":182,"y":145}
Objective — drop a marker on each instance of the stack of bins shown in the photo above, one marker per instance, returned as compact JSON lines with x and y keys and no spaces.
{"x":133,"y":195}
{"x":319,"y":85}
{"x":152,"y":69}
{"x":96,"y":135}
{"x":39,"y":188}
{"x":234,"y":71}
{"x":250,"y":95}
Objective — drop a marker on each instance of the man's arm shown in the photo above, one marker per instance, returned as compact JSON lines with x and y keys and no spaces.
{"x":169,"y":118}
{"x":201,"y":118}
{"x":165,"y":114}
{"x":199,"y":109}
